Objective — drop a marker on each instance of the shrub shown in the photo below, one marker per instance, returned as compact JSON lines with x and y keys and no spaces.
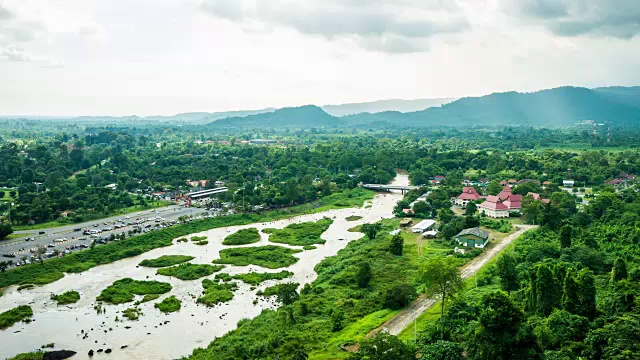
{"x":269,"y":256}
{"x":242,"y":237}
{"x":168,"y":305}
{"x":301,"y":234}
{"x":68,"y":297}
{"x":255,"y":279}
{"x":166,"y":260}
{"x":9,"y":318}
{"x":189,"y":271}
{"x":123,"y":290}
{"x":215,"y":293}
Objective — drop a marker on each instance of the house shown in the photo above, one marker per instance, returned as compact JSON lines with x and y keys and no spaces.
{"x":438,"y":179}
{"x":614,"y":182}
{"x":394,"y":232}
{"x":483,"y":181}
{"x":407,"y":211}
{"x":262,"y":142}
{"x":468,"y":194}
{"x":424,"y":196}
{"x":431,"y":234}
{"x":423,"y":226}
{"x":546,"y":184}
{"x":112,"y":186}
{"x":504,"y":194}
{"x":537,"y":197}
{"x":504,"y":183}
{"x":568,"y":183}
{"x":472,"y":238}
{"x":493,"y":207}
{"x":512,"y":182}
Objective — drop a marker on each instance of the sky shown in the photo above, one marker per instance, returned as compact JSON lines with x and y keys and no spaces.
{"x":161,"y":57}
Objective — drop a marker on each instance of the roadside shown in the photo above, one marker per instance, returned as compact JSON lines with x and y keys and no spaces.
{"x":405,"y":317}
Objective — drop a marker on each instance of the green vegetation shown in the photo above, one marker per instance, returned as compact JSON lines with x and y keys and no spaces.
{"x":502,"y":225}
{"x":215,"y":293}
{"x":147,"y":298}
{"x":353,"y":218}
{"x":10,"y":317}
{"x":168,"y":305}
{"x":49,"y":345}
{"x":309,"y":247}
{"x":300,"y":234}
{"x":198,"y":238}
{"x":29,"y":356}
{"x":123,"y":290}
{"x":255,"y":278}
{"x":275,"y":289}
{"x":182,"y":240}
{"x":270,"y":256}
{"x":65,"y":298}
{"x":242,"y":237}
{"x":189,"y":271}
{"x":132,"y":313}
{"x":201,"y":242}
{"x":25,"y":287}
{"x":166,"y":260}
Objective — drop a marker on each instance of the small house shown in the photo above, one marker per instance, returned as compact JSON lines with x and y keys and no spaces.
{"x":473,"y":238}
{"x":568,"y":183}
{"x":405,"y":222}
{"x":423,"y":226}
{"x":431,"y":234}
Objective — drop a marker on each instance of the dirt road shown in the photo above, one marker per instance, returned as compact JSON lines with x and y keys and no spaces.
{"x":408,"y":315}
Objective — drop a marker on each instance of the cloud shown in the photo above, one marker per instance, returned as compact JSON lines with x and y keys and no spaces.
{"x":606,"y":18}
{"x":380,"y":25}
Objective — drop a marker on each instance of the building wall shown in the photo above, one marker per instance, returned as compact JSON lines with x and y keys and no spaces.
{"x":494,"y":213}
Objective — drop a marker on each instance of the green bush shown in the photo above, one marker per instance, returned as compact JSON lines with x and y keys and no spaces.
{"x":166,"y":260}
{"x":148,"y":297}
{"x":189,"y":271}
{"x":353,"y":218}
{"x":198,"y":238}
{"x":9,"y":318}
{"x":255,"y":279}
{"x":201,"y":242}
{"x":168,"y":305}
{"x":242,"y":237}
{"x":307,"y":233}
{"x":215,"y":293}
{"x":123,"y":290}
{"x":309,"y":247}
{"x":270,"y":256}
{"x":132,"y":313}
{"x":68,"y":297}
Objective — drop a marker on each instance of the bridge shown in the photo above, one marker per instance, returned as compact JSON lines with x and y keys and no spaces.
{"x":381,"y":187}
{"x":203,"y":193}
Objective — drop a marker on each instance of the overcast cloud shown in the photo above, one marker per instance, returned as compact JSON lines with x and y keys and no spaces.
{"x":149,"y":57}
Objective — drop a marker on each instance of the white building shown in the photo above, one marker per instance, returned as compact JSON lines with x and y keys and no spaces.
{"x":423,"y":226}
{"x":568,"y":183}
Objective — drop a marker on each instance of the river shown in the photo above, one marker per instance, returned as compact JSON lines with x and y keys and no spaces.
{"x":167,"y":336}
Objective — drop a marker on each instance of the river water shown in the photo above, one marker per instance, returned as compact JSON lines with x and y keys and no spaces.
{"x":168,"y":336}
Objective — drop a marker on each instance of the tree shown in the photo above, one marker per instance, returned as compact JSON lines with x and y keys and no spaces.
{"x":471,"y":209}
{"x":399,"y":296}
{"x":570,"y":301}
{"x":441,"y":350}
{"x":494,"y":187}
{"x":337,"y":318}
{"x":397,"y":242}
{"x":364,"y":275}
{"x":288,"y":293}
{"x":587,"y":295}
{"x":4,"y":265}
{"x":442,"y":279}
{"x":5,"y":230}
{"x":507,"y":271}
{"x":565,"y":236}
{"x":383,"y":347}
{"x":619,"y":270}
{"x":445,"y":215}
{"x":371,"y":230}
{"x":547,"y":295}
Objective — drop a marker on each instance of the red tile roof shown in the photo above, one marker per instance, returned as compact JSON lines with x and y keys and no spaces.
{"x":504,"y":194}
{"x":469,"y":193}
{"x":493,"y":203}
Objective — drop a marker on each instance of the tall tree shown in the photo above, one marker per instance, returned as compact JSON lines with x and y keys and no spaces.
{"x":371,"y":230}
{"x":619,"y":270}
{"x":397,"y":242}
{"x":507,"y":271}
{"x":570,"y":301}
{"x":587,"y":295}
{"x":547,"y":296}
{"x":442,"y":279}
{"x":364,"y":275}
{"x":383,"y":347}
{"x":565,"y":236}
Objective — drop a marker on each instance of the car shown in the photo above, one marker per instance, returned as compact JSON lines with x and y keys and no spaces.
{"x":82,"y":238}
{"x":77,"y":229}
{"x":40,"y":232}
{"x":51,"y":245}
{"x":95,"y":225}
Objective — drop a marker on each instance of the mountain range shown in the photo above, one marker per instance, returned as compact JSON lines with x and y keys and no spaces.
{"x":552,"y":107}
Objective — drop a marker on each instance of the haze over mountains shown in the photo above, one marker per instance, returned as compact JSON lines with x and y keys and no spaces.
{"x":552,"y":107}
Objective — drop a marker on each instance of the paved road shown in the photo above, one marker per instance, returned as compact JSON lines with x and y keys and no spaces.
{"x":404,"y":319}
{"x":21,"y":247}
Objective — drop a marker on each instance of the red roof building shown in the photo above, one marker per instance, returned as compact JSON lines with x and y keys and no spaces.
{"x":468,"y":194}
{"x":505,"y":193}
{"x":502,"y":205}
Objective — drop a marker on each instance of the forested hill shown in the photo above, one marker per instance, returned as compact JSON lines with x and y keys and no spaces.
{"x":309,"y":116}
{"x":553,"y":107}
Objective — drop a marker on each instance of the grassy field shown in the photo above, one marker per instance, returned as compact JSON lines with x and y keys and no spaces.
{"x":10,"y":317}
{"x":242,"y":237}
{"x":123,"y":290}
{"x":307,"y":233}
{"x":189,"y":271}
{"x":65,"y":298}
{"x":168,"y":305}
{"x":215,"y":293}
{"x":166,"y":260}
{"x":270,"y":256}
{"x":255,"y":278}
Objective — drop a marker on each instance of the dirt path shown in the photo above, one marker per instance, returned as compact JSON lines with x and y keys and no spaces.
{"x":399,"y":322}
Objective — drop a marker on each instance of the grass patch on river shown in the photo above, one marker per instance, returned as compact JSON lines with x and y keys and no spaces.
{"x":9,"y":318}
{"x":65,"y":298}
{"x":242,"y":237}
{"x":168,"y":305}
{"x":255,"y":278}
{"x":54,"y":269}
{"x":353,"y":218}
{"x":166,"y":260}
{"x":123,"y":290}
{"x":189,"y":271}
{"x":215,"y":293}
{"x":270,"y":256}
{"x":307,"y":233}
{"x":132,"y":314}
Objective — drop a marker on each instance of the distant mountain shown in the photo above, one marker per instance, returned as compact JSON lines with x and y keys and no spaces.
{"x":623,"y":95}
{"x":553,"y":107}
{"x":297,"y":117}
{"x":207,"y":117}
{"x":384,"y":105}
